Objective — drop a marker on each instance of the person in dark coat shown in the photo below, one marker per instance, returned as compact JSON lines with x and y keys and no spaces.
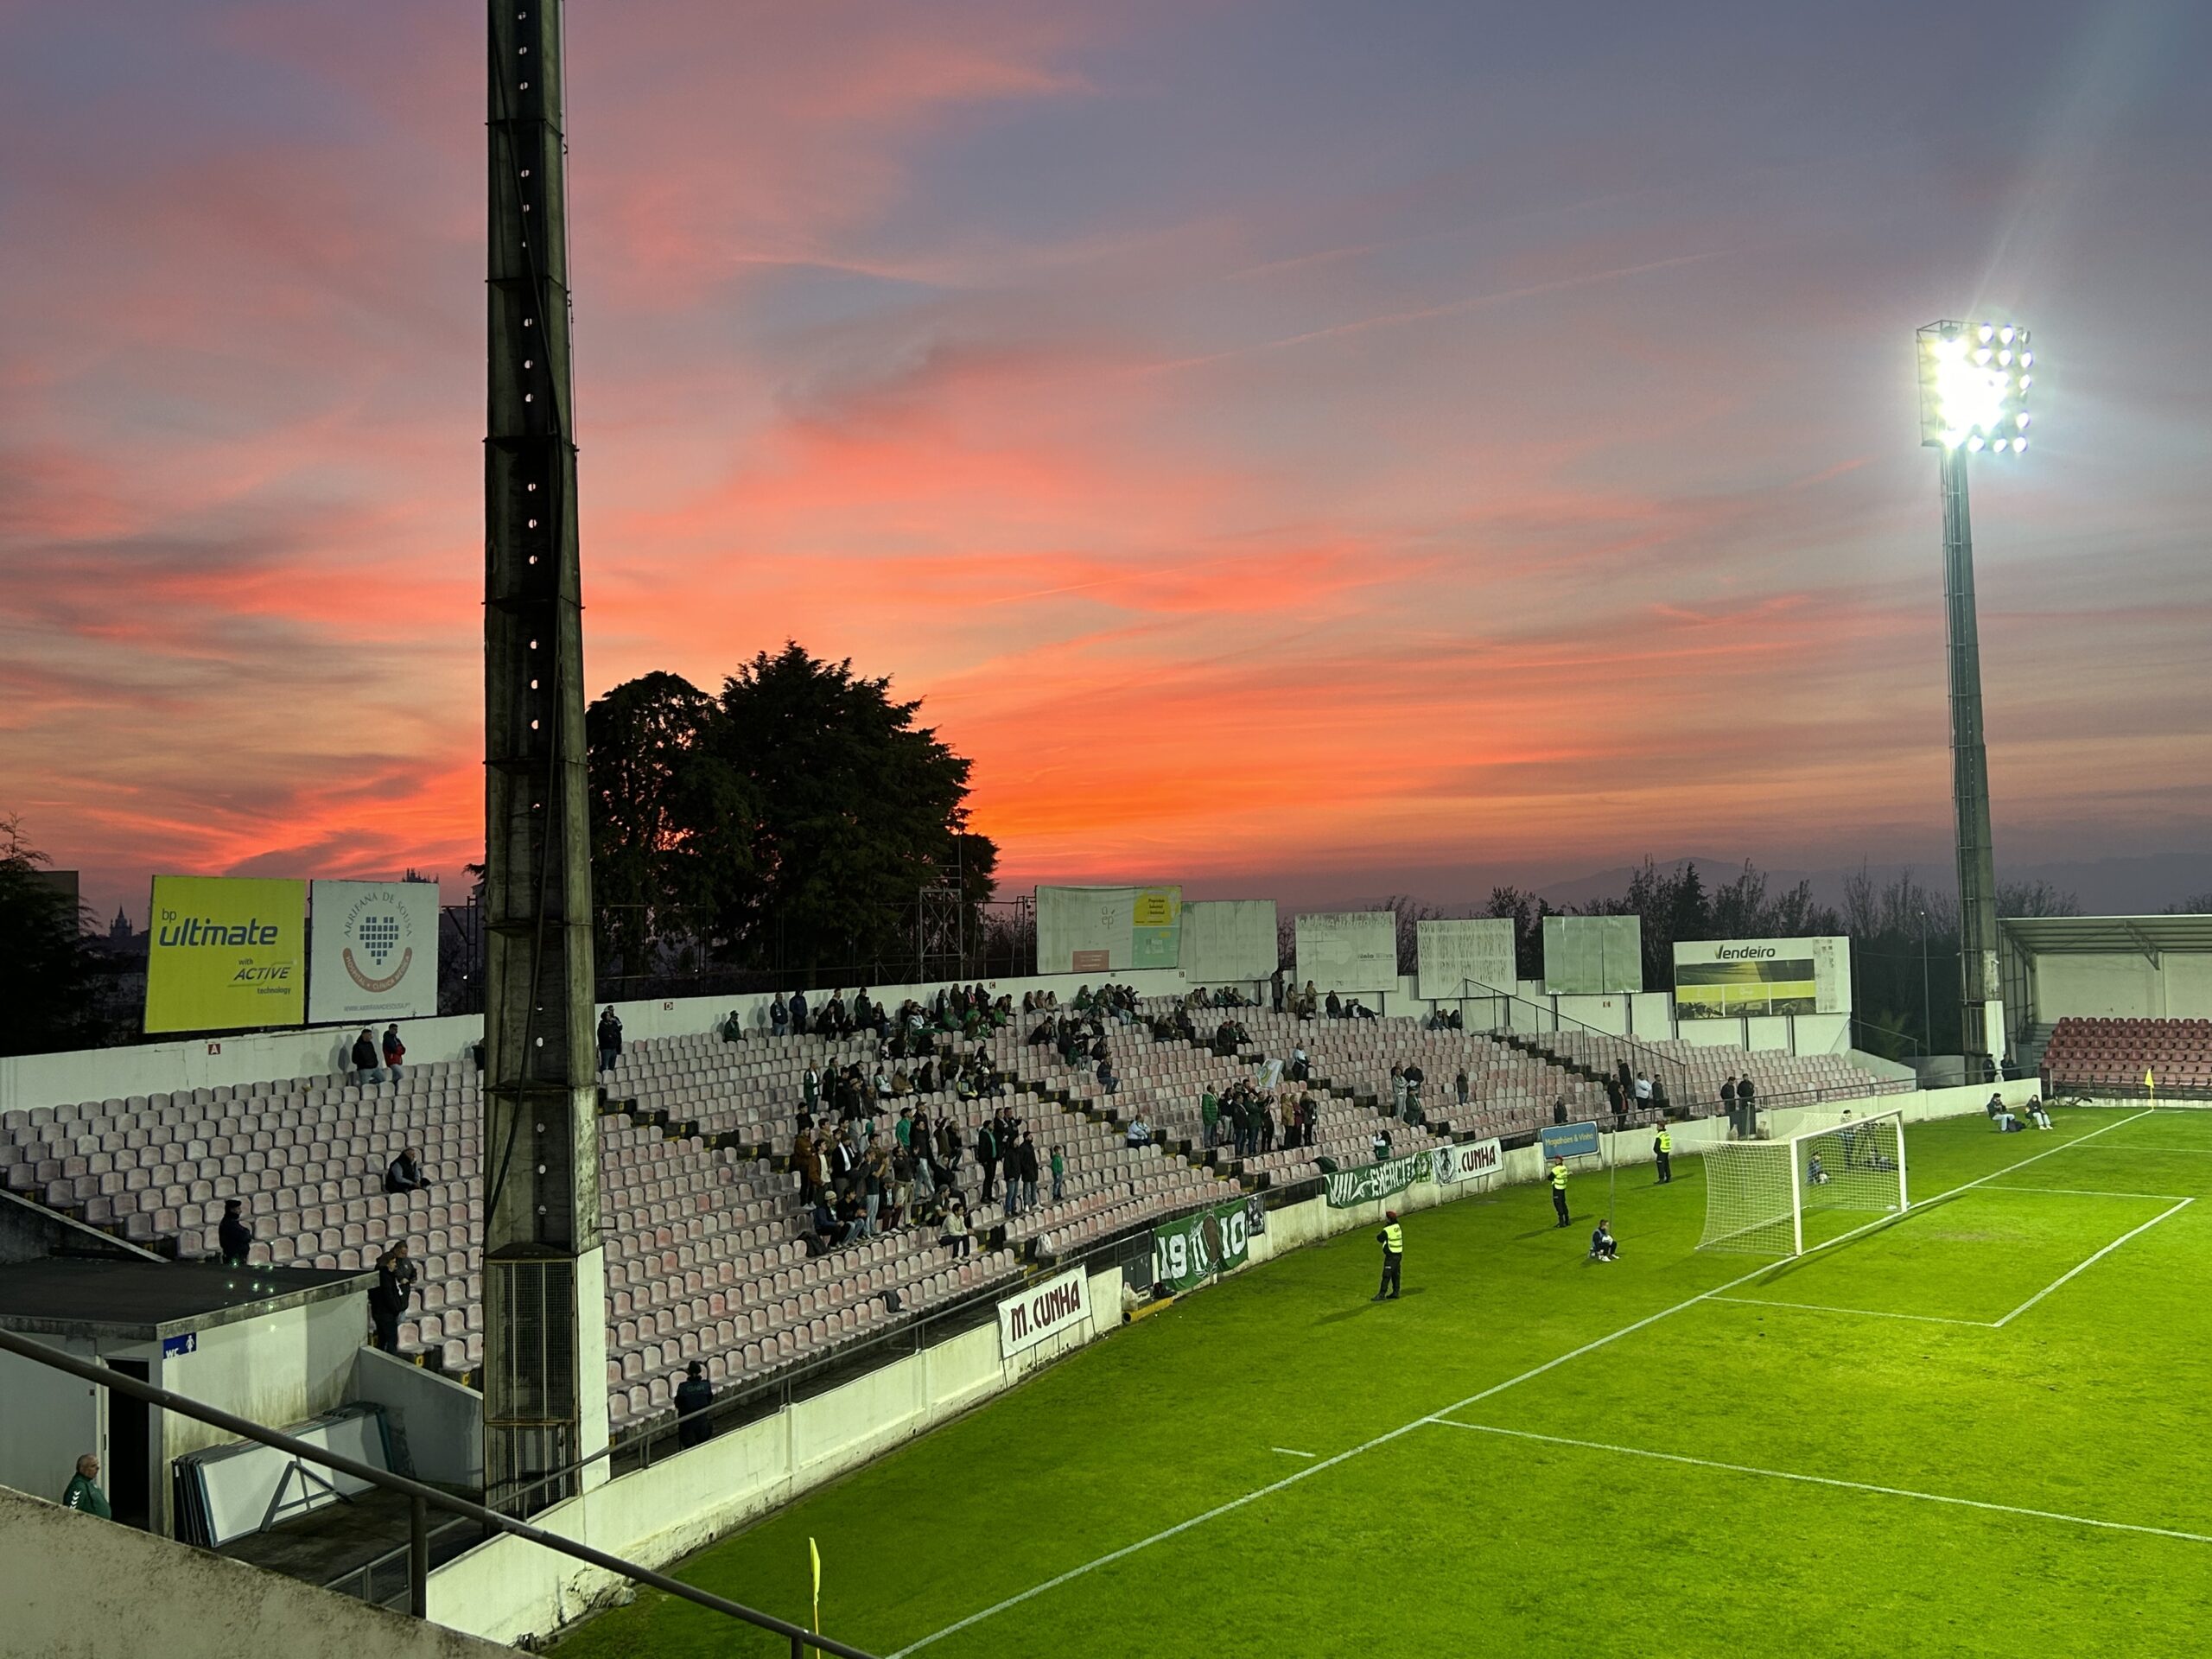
{"x":364,"y":1058}
{"x":987,"y":1156}
{"x":610,"y":1038}
{"x":693,"y":1395}
{"x":798,"y":1013}
{"x":235,"y":1234}
{"x":405,"y":1172}
{"x":1026,"y":1165}
{"x":388,"y":1302}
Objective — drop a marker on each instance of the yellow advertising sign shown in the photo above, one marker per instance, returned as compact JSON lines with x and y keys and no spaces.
{"x":227,"y":954}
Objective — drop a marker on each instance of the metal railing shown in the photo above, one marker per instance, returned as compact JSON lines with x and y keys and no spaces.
{"x":421,"y":1499}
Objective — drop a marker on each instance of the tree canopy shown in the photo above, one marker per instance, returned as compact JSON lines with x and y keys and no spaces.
{"x":47,"y":983}
{"x":792,"y":823}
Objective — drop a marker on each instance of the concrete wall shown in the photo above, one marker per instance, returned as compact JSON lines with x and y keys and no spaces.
{"x":281,"y":1367}
{"x":507,"y":1588}
{"x":441,"y":1421}
{"x":47,"y":1420}
{"x":77,"y":1587}
{"x":2131,"y":986}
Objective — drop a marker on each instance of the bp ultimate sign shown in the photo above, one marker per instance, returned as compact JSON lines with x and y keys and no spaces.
{"x":1059,"y":1304}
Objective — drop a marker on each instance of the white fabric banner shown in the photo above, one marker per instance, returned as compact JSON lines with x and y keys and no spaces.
{"x":1042,"y":1310}
{"x":1470,"y":1160}
{"x":372,"y":951}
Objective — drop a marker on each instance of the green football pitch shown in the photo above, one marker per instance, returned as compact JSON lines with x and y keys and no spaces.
{"x":1979,"y":1429}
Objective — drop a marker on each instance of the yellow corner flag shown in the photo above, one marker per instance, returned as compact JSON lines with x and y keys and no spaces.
{"x":2150,"y":1083}
{"x":814,"y":1554}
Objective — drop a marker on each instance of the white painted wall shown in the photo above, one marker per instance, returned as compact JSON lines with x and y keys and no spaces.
{"x":443,"y":1422}
{"x":2177,"y":986}
{"x":47,"y":1420}
{"x":77,"y":1587}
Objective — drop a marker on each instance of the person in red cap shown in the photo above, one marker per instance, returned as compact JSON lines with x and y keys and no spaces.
{"x":1392,"y":1240}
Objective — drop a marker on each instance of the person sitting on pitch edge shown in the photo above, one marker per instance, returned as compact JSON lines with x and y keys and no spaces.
{"x":1603,"y":1247}
{"x":1815,"y":1175}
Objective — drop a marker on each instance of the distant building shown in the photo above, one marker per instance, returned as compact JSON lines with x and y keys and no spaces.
{"x":119,"y":931}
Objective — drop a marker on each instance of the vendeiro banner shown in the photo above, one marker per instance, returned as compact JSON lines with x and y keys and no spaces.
{"x":1187,"y":1252}
{"x":1370,"y":1181}
{"x":1059,"y":1304}
{"x":1717,"y":979}
{"x":1470,"y":1160}
{"x":375,"y":951}
{"x":226,"y":954}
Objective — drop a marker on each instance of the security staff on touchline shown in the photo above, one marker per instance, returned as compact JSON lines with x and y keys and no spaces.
{"x":1662,"y":1149}
{"x":1559,"y":1190}
{"x":1393,"y":1240}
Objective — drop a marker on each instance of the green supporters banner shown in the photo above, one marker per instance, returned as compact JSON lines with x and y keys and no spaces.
{"x":1369,"y":1181}
{"x":1186,"y":1253}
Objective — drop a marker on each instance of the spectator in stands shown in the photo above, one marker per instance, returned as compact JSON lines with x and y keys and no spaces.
{"x":1139,"y":1132}
{"x":1459,"y":1087}
{"x":388,"y":1302}
{"x":1728,"y":1094}
{"x":610,"y":1038}
{"x":1334,"y":1007}
{"x":1302,"y":1065}
{"x":1059,"y":1174}
{"x":1107,"y":1080}
{"x":986,"y":1155}
{"x":1224,"y":1042}
{"x":693,"y":1395}
{"x":1010,"y":1167}
{"x":844,"y":1163}
{"x":1559,"y":1108}
{"x":364,"y":1058}
{"x":405,"y":1172}
{"x":83,"y":1493}
{"x":798,"y":1013}
{"x":732,"y":1029}
{"x":948,"y":1150}
{"x":806,"y":1159}
{"x":1264,"y":1121}
{"x":235,"y":1234}
{"x":1378,"y":1145}
{"x":1643,"y":1092}
{"x":1746,"y":1093}
{"x":824,"y":1231}
{"x":956,"y":1227}
{"x":1603,"y":1247}
{"x":835,"y":1022}
{"x":780,"y":1016}
{"x":810,"y":1090}
{"x":394,"y":1051}
{"x":875,"y":1182}
{"x":1028,"y":1171}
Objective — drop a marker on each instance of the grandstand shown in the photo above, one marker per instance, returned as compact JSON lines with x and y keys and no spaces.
{"x":701,"y":1209}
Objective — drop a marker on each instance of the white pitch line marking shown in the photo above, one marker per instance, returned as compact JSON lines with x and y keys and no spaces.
{"x":1287,"y":1452}
{"x":1830,"y":1480}
{"x":2083,"y":1267}
{"x":1236,"y":1504}
{"x":1870,"y":1312}
{"x":2089,"y":1193}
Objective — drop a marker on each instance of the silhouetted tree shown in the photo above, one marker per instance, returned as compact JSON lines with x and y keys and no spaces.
{"x":48,"y":1000}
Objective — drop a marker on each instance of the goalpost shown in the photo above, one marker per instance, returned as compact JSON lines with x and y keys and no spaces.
{"x":1759,"y":1192}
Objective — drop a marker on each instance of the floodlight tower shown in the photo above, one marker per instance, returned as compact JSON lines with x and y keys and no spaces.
{"x":1973,"y":391}
{"x":545,"y":1331}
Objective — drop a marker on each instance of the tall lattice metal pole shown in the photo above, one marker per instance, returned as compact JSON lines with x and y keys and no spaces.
{"x":544,"y":1338}
{"x":1978,"y":983}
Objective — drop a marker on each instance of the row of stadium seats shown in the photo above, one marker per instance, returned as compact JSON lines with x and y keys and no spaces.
{"x":2115,"y":1053}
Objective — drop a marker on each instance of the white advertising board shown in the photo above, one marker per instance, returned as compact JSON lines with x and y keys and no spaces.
{"x":1348,"y":951}
{"x":372,"y":951}
{"x":1456,"y":958}
{"x":1719,"y":979}
{"x":1229,"y":939}
{"x":1470,"y":1161}
{"x":1059,"y":1304}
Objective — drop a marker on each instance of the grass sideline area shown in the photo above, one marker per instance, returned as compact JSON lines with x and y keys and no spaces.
{"x":1978,"y":1429}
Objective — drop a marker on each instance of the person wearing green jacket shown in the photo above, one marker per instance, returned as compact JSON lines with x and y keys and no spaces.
{"x":1209,"y":1115}
{"x":84,"y":1492}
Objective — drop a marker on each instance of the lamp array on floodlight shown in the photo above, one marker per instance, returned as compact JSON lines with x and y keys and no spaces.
{"x":1974,"y":386}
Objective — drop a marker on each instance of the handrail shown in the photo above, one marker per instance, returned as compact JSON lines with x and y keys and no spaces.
{"x":423,"y":1497}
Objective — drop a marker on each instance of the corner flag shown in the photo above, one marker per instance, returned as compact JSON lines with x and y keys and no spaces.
{"x":2150,"y":1083}
{"x":814,"y":1554}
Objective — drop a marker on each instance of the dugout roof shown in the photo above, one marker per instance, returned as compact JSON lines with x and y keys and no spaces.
{"x":2147,"y":936}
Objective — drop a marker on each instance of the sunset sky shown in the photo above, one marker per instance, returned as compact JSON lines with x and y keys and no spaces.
{"x":1292,"y":448}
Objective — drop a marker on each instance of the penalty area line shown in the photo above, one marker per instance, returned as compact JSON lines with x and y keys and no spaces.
{"x":1833,"y":1481}
{"x":2085,"y":1265}
{"x":1867,"y":1312}
{"x":1233,"y":1504}
{"x":1288,"y":1453}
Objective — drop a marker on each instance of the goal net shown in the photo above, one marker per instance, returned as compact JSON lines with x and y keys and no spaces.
{"x":1757,"y":1193}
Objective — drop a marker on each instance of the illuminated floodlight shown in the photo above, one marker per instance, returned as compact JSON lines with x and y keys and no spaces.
{"x":1974,"y":386}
